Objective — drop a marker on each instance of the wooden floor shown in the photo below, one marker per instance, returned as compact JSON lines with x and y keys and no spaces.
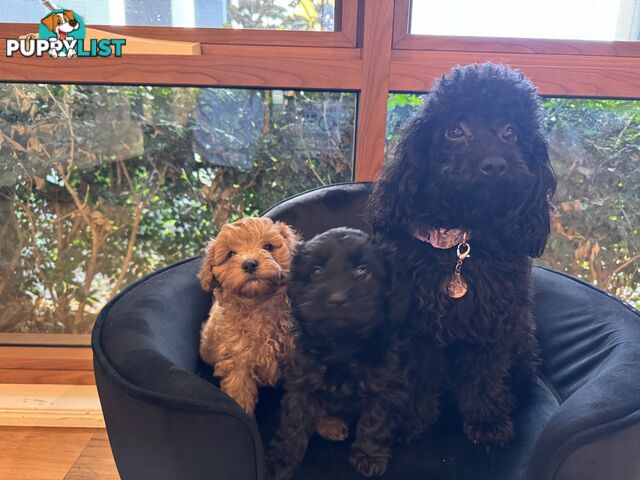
{"x":50,"y":406}
{"x":55,"y":454}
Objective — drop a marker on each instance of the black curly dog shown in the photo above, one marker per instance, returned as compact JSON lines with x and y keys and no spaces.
{"x":474,"y":159}
{"x":352,"y":361}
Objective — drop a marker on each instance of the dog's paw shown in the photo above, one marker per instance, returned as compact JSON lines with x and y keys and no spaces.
{"x":53,"y":53}
{"x":274,"y":474}
{"x":71,"y":53}
{"x":367,"y":465}
{"x":333,"y":429}
{"x":497,"y":434}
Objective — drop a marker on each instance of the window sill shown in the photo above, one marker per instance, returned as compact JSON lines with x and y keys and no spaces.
{"x":46,"y":365}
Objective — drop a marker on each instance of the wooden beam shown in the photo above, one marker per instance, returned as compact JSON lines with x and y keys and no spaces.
{"x":517,"y":45}
{"x":137,"y":45}
{"x":45,"y":339}
{"x":46,"y":365}
{"x":401,"y":21}
{"x":374,"y":93}
{"x":347,"y":17}
{"x":554,"y":75}
{"x":240,"y":36}
{"x":49,"y":377}
{"x":46,"y":358}
{"x":220,"y":66}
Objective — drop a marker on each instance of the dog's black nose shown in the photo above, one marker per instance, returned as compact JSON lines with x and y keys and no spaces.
{"x":250,"y":266}
{"x":337,"y":297}
{"x":73,"y":23}
{"x":493,"y":166}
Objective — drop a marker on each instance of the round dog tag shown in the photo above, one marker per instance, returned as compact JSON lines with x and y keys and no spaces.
{"x":456,"y":286}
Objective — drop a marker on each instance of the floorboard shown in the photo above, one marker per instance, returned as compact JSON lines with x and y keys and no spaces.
{"x":95,"y":462}
{"x":55,"y":454}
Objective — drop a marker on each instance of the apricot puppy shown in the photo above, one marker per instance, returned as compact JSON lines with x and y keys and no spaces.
{"x":247,"y":334}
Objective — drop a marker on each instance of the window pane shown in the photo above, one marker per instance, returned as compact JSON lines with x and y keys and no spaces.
{"x":567,"y":19}
{"x":595,"y":148}
{"x":315,"y":15}
{"x":100,"y":185}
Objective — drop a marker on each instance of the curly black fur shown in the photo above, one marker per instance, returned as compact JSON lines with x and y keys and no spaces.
{"x":351,"y":359}
{"x":436,"y":178}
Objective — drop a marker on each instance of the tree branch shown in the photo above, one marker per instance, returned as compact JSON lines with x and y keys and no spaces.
{"x":622,"y":267}
{"x":137,"y":217}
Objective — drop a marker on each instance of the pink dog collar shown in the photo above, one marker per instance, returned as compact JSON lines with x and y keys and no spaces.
{"x":441,"y":237}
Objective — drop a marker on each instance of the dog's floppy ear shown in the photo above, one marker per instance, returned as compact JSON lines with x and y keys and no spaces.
{"x":298,"y":261}
{"x":396,"y":189}
{"x":533,"y":226}
{"x":291,"y":237}
{"x":208,"y":280}
{"x":69,"y":14}
{"x":50,"y":21}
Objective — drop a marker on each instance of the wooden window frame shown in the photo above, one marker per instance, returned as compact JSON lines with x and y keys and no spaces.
{"x":372,"y":54}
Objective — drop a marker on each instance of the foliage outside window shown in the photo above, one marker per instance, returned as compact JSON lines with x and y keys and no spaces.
{"x":595,"y":149}
{"x":316,"y":15}
{"x":100,"y":185}
{"x":311,"y":15}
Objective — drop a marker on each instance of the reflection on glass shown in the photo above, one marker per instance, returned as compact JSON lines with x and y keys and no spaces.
{"x":595,"y":148}
{"x":100,"y":185}
{"x":567,"y":19}
{"x":314,"y":15}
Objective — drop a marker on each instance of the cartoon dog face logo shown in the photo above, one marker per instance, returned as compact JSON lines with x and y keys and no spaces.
{"x":61,"y":23}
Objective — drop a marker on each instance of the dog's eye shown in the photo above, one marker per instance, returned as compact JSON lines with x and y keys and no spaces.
{"x":455,"y":133}
{"x":509,"y":134}
{"x":268,"y":247}
{"x":231,"y":254}
{"x":361,"y":272}
{"x":317,"y":271}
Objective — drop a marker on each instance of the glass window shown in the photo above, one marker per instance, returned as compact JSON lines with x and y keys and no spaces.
{"x":567,"y":19}
{"x":314,"y":15}
{"x":594,"y":146}
{"x":100,"y":185}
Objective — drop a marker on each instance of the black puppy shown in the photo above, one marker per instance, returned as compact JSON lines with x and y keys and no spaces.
{"x":467,"y":201}
{"x":351,"y":359}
